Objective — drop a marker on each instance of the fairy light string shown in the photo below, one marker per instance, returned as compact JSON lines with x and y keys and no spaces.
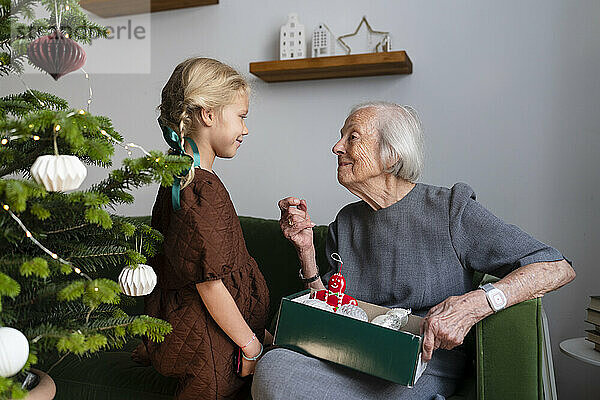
{"x":52,"y":254}
{"x":90,"y":91}
{"x":126,"y":146}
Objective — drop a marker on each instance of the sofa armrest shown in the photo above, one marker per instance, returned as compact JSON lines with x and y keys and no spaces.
{"x":509,"y":353}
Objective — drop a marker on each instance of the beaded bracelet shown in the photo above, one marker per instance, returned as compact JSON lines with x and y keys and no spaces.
{"x":251,"y":340}
{"x":255,"y":357}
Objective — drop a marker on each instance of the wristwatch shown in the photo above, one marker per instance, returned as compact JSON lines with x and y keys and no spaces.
{"x":494,"y":296}
{"x":308,"y":280}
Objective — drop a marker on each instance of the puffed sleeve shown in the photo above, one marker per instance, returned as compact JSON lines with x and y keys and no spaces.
{"x":484,"y":242}
{"x":201,"y":236}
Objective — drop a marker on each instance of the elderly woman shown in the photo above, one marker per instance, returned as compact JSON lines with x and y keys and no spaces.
{"x":410,"y":245}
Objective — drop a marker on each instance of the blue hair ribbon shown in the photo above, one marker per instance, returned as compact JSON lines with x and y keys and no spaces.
{"x":174,"y":142}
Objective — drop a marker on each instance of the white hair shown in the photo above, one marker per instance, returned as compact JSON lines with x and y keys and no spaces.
{"x":401,"y":138}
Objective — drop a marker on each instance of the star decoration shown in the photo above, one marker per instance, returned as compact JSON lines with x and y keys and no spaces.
{"x":373,"y":41}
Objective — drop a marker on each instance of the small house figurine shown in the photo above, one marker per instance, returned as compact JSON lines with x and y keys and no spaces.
{"x":323,"y":42}
{"x":292,"y":43}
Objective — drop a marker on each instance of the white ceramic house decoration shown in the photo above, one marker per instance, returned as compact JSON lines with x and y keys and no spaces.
{"x":323,"y":42}
{"x":292,"y":40}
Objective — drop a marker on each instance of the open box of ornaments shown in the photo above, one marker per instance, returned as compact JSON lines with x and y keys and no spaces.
{"x":365,"y":337}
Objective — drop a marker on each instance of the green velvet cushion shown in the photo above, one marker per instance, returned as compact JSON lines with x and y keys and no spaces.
{"x":509,"y":353}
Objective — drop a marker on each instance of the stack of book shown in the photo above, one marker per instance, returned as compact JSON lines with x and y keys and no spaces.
{"x":593,"y":317}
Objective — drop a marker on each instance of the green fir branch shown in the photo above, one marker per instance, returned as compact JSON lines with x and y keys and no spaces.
{"x":21,"y":104}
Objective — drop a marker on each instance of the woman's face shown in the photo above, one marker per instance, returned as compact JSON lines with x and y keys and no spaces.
{"x":358,"y":149}
{"x":230,"y":128}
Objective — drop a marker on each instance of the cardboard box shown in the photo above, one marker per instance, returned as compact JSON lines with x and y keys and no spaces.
{"x":372,"y":349}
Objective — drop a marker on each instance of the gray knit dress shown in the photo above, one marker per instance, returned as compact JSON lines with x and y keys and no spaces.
{"x":413,"y":254}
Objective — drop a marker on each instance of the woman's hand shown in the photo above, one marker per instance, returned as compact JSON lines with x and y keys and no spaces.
{"x":295,"y":222}
{"x":446,"y":324}
{"x":297,"y":227}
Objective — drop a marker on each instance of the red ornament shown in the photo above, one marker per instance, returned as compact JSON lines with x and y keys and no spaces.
{"x":334,"y":294}
{"x":56,"y":54}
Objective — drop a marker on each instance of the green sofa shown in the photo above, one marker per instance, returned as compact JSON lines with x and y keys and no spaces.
{"x":506,"y":347}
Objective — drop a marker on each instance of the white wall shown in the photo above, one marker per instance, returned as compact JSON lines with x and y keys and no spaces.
{"x":508,"y":92}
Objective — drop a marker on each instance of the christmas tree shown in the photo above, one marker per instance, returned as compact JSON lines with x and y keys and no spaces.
{"x":59,"y":246}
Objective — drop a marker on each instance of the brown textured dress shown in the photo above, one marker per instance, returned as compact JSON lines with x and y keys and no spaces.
{"x":203,"y":241}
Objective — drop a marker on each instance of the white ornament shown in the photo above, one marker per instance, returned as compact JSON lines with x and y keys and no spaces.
{"x":316,"y":303}
{"x":58,"y":173}
{"x":388,"y":321}
{"x":137,"y":282}
{"x":352,"y":311}
{"x":292,"y":41}
{"x":14,"y":351}
{"x":323,"y":42}
{"x":401,"y":313}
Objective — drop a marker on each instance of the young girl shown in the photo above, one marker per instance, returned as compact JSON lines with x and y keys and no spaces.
{"x":209,"y":288}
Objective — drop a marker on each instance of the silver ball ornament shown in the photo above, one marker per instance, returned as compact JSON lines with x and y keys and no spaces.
{"x":388,"y":321}
{"x":401,"y":313}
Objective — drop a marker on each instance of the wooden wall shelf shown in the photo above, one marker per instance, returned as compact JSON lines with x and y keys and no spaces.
{"x":115,"y":8}
{"x":384,"y":63}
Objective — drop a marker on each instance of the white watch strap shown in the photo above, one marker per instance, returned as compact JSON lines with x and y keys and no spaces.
{"x":495,"y":297}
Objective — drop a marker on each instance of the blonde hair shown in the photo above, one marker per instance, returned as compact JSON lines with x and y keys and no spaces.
{"x":198,"y":83}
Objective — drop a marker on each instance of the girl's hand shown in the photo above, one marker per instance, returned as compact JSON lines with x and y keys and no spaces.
{"x":248,"y":367}
{"x":295,"y":222}
{"x":251,"y":351}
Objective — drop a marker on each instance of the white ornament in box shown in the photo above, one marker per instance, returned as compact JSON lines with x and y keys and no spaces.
{"x":58,"y":173}
{"x":323,"y":42}
{"x":352,"y":311}
{"x":292,"y":40}
{"x":388,"y":321}
{"x":138,"y":281}
{"x":14,"y":351}
{"x":316,"y":303}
